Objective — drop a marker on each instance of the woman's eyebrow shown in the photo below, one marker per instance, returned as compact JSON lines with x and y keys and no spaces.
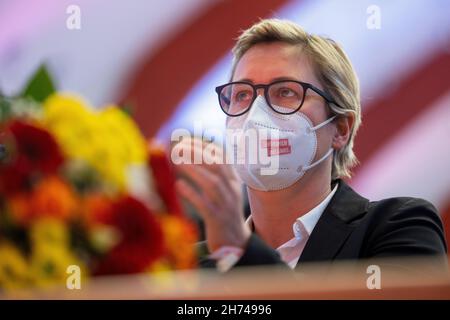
{"x":284,"y":78}
{"x":245,"y":80}
{"x":272,"y":80}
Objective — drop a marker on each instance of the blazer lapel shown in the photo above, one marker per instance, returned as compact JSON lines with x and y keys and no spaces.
{"x":334,"y":227}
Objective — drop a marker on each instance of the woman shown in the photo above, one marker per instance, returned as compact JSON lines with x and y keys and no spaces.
{"x":302,"y":88}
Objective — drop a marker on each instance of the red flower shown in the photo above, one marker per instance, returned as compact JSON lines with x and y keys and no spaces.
{"x":33,"y":150}
{"x":141,"y":242}
{"x":15,"y":176}
{"x":164,"y":178}
{"x":37,"y":145}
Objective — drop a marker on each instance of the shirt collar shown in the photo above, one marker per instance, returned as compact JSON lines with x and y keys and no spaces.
{"x":309,"y":220}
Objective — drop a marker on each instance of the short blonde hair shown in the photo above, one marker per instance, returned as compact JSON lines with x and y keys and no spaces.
{"x":332,"y":68}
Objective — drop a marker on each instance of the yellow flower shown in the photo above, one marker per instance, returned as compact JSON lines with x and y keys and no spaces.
{"x":123,"y":128}
{"x":13,"y":268}
{"x":104,"y":238}
{"x":109,"y":141}
{"x":61,"y":107}
{"x":48,"y":233}
{"x":49,"y":265}
{"x":51,"y":255}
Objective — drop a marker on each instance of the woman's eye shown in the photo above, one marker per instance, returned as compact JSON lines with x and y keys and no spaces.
{"x":242,"y":96}
{"x":286,"y":93}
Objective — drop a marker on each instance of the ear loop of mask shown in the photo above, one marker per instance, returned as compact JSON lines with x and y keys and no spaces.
{"x":320,"y":125}
{"x":312,"y":165}
{"x":327,"y":154}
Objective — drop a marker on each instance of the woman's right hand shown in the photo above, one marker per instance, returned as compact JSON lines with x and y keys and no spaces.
{"x":219,"y":198}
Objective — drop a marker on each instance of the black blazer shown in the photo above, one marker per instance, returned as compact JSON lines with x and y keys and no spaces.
{"x":352,"y":227}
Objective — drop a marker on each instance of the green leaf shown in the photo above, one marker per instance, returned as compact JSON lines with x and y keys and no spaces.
{"x":40,"y":86}
{"x":129,"y":109}
{"x":5,"y":109}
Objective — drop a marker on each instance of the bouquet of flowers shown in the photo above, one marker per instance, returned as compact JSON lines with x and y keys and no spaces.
{"x":82,"y":187}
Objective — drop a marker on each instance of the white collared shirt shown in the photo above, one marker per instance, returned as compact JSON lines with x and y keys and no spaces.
{"x":291,"y":250}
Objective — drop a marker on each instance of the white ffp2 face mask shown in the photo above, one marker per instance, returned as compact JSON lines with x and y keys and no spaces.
{"x":290,"y":141}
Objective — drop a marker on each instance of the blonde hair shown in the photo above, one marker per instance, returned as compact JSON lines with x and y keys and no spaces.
{"x":332,"y":68}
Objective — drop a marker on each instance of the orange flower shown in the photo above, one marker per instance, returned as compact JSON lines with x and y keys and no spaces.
{"x":53,"y":197}
{"x":96,"y":208}
{"x":180,"y":236}
{"x":19,"y":208}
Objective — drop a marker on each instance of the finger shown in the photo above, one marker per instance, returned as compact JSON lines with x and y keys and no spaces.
{"x":224,"y":195}
{"x":223,"y":190}
{"x":213,"y":162}
{"x":207,"y":210}
{"x":209,"y":183}
{"x":211,"y":157}
{"x":192,"y":196}
{"x":207,"y":153}
{"x":214,"y":154}
{"x":219,"y":191}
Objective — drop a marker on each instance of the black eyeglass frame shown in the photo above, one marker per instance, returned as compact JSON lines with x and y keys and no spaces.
{"x":255,"y":87}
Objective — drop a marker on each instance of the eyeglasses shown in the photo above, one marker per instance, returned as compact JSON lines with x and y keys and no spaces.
{"x":283,"y":96}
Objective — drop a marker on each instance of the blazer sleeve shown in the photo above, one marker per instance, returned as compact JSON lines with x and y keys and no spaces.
{"x":406,"y":227}
{"x":258,"y":252}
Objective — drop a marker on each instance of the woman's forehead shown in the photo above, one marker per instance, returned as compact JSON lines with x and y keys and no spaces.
{"x":267,"y":61}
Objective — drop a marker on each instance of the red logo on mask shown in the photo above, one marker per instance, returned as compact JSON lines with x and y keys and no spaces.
{"x":276,"y":146}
